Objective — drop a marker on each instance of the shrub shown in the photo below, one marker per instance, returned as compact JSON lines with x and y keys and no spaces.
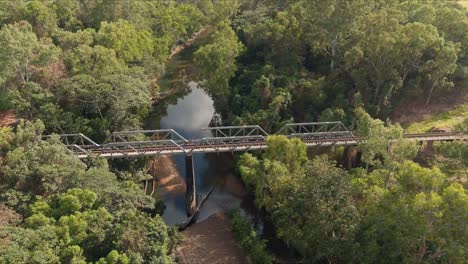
{"x":250,"y":242}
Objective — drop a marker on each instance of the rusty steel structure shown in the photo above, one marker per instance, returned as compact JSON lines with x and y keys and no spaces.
{"x":221,"y":139}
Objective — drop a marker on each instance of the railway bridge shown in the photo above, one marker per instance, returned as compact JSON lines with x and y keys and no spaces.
{"x":139,"y":143}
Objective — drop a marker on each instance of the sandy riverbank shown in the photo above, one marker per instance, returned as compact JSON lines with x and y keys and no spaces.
{"x":167,"y":178}
{"x":210,"y":241}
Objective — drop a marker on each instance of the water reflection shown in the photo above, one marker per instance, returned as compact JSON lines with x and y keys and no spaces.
{"x":188,"y":116}
{"x":190,"y":113}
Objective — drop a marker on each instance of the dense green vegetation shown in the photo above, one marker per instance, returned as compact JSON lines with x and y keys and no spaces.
{"x":317,"y":60}
{"x":92,"y":66}
{"x":396,"y":212}
{"x":340,"y":60}
{"x":62,"y":210}
{"x":254,"y":246}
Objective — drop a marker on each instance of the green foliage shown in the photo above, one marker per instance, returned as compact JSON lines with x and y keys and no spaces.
{"x":55,"y":54}
{"x":397,"y":212}
{"x":302,"y":199}
{"x":37,"y":166}
{"x":6,"y":138}
{"x":114,"y":258}
{"x":455,"y":120}
{"x":247,"y":237}
{"x":452,"y":158}
{"x":113,"y":102}
{"x":74,"y":213}
{"x":393,"y":53}
{"x":130,"y":44}
{"x":218,"y":59}
{"x":21,"y":51}
{"x":326,"y":53}
{"x":376,"y":149}
{"x":414,"y":220}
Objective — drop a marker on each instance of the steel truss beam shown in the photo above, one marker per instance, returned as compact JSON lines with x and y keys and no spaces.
{"x":221,"y":139}
{"x":141,"y":135}
{"x":76,"y":143}
{"x":236,"y":131}
{"x":138,"y":141}
{"x":75,"y":139}
{"x":314,"y":128}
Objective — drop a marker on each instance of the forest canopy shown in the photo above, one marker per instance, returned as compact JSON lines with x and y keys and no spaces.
{"x":94,"y":67}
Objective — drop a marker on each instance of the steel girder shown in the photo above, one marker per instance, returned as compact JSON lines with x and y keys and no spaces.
{"x":315,"y":130}
{"x":222,"y":139}
{"x":236,"y":131}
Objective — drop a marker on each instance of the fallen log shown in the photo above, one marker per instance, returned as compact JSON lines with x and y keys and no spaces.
{"x":190,"y":219}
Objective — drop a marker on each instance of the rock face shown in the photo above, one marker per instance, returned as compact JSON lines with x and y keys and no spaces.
{"x":210,"y":241}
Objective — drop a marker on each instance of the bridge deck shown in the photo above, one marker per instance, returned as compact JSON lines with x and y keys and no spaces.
{"x":234,"y":144}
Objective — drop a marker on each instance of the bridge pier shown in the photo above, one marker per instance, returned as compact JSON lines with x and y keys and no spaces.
{"x":350,"y":157}
{"x":190,"y":191}
{"x":425,"y":150}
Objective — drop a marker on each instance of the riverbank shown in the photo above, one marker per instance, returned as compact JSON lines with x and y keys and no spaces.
{"x":210,"y":241}
{"x":187,"y":108}
{"x":166,"y":177}
{"x":170,"y":67}
{"x":189,"y":42}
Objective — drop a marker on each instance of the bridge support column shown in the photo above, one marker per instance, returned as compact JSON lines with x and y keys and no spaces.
{"x":350,"y":157}
{"x":190,"y":191}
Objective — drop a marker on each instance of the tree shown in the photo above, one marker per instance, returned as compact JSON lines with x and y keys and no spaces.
{"x":41,"y":16}
{"x":411,"y":221}
{"x":21,"y":50}
{"x":96,"y":60}
{"x":422,"y":54}
{"x":330,"y":25}
{"x":38,"y":167}
{"x":6,"y":138}
{"x":452,"y":158}
{"x":130,"y":44}
{"x":76,"y":211}
{"x":310,"y":203}
{"x":376,"y":148}
{"x":218,"y":59}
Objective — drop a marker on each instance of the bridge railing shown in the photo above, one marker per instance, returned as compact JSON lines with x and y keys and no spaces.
{"x":230,"y":143}
{"x":74,"y":139}
{"x":315,"y":130}
{"x":226,"y":138}
{"x":143,"y":135}
{"x":236,"y":131}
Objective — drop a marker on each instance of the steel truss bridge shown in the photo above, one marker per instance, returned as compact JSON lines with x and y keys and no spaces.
{"x":222,"y":139}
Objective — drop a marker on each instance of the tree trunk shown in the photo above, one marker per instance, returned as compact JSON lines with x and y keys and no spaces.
{"x":428,"y":100}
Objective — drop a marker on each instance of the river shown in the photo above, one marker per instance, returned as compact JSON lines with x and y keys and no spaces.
{"x":188,"y":111}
